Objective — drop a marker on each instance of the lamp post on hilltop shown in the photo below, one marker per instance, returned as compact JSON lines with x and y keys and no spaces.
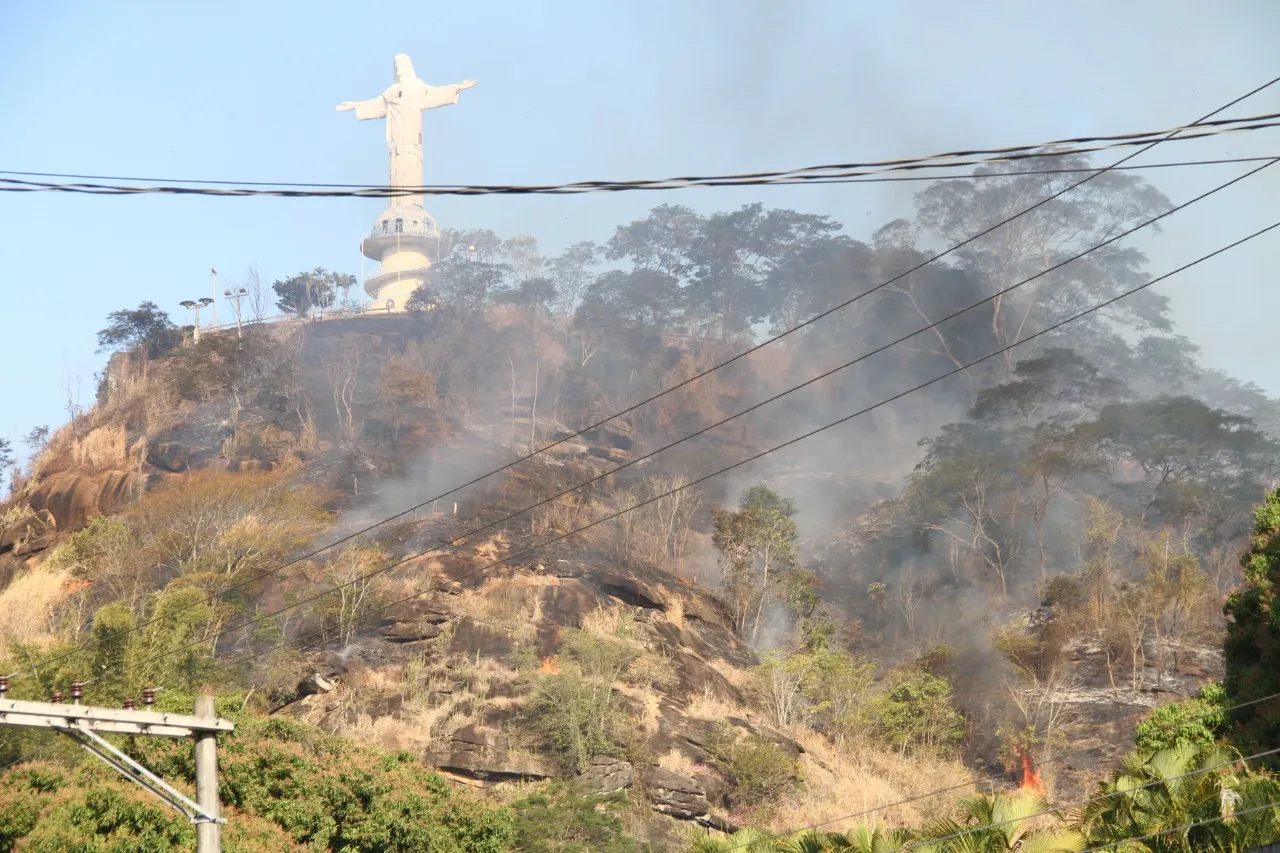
{"x":195,"y":306}
{"x":213,"y":291}
{"x":234,"y":299}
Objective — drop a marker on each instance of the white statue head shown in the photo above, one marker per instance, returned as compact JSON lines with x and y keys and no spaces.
{"x":404,"y":68}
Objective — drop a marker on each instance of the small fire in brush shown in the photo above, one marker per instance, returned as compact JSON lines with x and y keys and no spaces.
{"x":1032,"y":782}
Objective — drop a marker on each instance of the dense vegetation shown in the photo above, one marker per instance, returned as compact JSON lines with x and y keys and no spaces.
{"x":285,"y":785}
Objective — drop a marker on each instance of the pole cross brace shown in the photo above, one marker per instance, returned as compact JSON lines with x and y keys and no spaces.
{"x":132,"y":770}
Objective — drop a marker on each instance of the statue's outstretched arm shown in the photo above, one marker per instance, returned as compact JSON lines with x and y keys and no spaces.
{"x":442,"y":96}
{"x":372,"y":108}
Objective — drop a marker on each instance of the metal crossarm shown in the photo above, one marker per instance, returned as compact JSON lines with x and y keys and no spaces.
{"x":85,"y":724}
{"x":132,"y":770}
{"x":55,"y":715}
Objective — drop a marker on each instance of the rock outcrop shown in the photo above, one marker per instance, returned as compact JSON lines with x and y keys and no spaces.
{"x":73,"y":500}
{"x":675,"y":794}
{"x":485,"y":754}
{"x":606,"y":776}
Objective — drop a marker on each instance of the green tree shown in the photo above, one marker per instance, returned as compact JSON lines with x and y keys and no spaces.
{"x":561,"y":820}
{"x":757,"y":544}
{"x":1252,"y":645}
{"x":572,"y":271}
{"x":1196,"y":722}
{"x":461,"y":285}
{"x":1183,"y":448}
{"x":915,"y":713}
{"x":6,"y":457}
{"x":145,"y":329}
{"x":576,"y":712}
{"x":284,"y":784}
{"x":300,"y":293}
{"x":1196,"y":799}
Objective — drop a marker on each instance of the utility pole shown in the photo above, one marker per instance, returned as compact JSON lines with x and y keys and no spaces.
{"x":195,"y":305}
{"x":208,"y":832}
{"x":82,"y":723}
{"x":234,"y":299}
{"x":213,"y":321}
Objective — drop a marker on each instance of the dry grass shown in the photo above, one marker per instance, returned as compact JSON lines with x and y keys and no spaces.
{"x":103,"y":449}
{"x":738,"y":677}
{"x":677,"y":762}
{"x":494,"y":548}
{"x":560,"y":516}
{"x":867,"y":777}
{"x":650,"y":704}
{"x":27,"y":604}
{"x":514,"y":605}
{"x":610,"y":621}
{"x":711,"y":707}
{"x":675,"y":611}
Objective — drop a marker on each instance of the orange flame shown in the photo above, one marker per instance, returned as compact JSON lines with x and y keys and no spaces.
{"x":1032,"y":783}
{"x":549,"y":666}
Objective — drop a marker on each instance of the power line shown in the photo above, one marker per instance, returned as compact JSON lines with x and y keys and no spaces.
{"x":1203,"y":123}
{"x":686,"y":382}
{"x":818,"y":180}
{"x":1027,"y":172}
{"x":756,"y":456}
{"x":809,"y":174}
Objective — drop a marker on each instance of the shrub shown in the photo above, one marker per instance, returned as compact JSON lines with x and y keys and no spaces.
{"x":1194,"y":722}
{"x":561,"y":820}
{"x":324,"y":792}
{"x":576,"y":713}
{"x":915,"y":714}
{"x":761,"y":771}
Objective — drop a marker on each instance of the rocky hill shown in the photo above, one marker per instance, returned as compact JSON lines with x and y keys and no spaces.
{"x":928,"y":617}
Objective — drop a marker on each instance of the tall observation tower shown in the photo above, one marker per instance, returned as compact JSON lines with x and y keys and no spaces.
{"x":405,"y":239}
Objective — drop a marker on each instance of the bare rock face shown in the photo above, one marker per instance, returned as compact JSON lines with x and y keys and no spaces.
{"x":28,"y":535}
{"x":606,"y":776}
{"x":484,"y":754}
{"x":413,"y":621}
{"x":675,"y":794}
{"x":633,"y":590}
{"x":470,"y":638}
{"x":74,"y":499}
{"x":168,"y":456}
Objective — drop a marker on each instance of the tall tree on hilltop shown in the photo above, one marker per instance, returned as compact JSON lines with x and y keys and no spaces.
{"x":732,"y":257}
{"x":145,"y":329}
{"x":301,"y":293}
{"x":1185,"y":459}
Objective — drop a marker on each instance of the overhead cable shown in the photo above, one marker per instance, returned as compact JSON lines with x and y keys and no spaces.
{"x":808,"y":174}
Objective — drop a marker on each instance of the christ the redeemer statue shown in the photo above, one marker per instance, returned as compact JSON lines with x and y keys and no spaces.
{"x":402,"y":105}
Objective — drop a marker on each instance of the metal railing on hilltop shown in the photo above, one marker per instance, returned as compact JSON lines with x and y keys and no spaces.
{"x":318,"y":315}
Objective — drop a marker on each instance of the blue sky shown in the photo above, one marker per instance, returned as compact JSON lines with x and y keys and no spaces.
{"x":580,"y":90}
